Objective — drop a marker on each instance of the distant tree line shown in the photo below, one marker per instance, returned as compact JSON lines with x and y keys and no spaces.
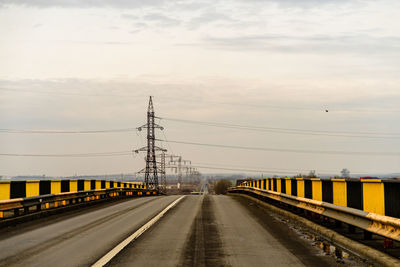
{"x":221,"y":186}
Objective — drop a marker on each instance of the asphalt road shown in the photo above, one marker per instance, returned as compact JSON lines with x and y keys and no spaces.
{"x":200,"y":231}
{"x":79,"y":240}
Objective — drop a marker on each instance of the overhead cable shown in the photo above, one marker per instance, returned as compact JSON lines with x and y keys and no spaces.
{"x":330,"y":152}
{"x":3,"y":130}
{"x":291,"y":130}
{"x":95,"y":154}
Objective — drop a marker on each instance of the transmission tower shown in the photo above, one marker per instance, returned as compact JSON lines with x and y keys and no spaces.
{"x":151,"y":170}
{"x":179,"y":164}
{"x":163,"y":174}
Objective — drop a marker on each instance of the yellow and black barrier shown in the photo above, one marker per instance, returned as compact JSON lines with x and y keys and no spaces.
{"x":383,"y":225}
{"x":32,"y":188}
{"x":371,"y":195}
{"x":26,"y":197}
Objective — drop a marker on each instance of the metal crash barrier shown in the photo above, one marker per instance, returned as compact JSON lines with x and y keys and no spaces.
{"x":382,"y":225}
{"x":10,"y":208}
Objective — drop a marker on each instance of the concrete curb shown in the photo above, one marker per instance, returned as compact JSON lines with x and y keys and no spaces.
{"x":356,"y":248}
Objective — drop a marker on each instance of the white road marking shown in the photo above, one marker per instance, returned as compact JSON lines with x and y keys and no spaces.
{"x":112,"y":253}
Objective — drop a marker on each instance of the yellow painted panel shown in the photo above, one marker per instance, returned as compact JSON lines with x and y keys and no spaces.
{"x":262,"y":184}
{"x":339,"y":192}
{"x":258,"y":184}
{"x":316,"y":189}
{"x":374,"y":196}
{"x":98,"y":184}
{"x":4,"y":190}
{"x":278,"y":185}
{"x":32,"y":188}
{"x":55,"y":187}
{"x":73,"y":185}
{"x":107,"y":184}
{"x":288,"y":186}
{"x":300,"y":187}
{"x":86,"y":185}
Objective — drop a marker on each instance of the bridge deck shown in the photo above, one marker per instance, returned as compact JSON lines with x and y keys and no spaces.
{"x":199,"y":231}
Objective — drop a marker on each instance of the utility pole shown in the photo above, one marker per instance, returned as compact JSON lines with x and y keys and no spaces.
{"x":151,"y":170}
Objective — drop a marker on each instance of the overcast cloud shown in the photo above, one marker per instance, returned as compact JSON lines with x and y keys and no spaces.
{"x":277,"y":63}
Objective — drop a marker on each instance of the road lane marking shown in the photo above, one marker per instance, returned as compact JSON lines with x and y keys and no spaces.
{"x":112,"y":253}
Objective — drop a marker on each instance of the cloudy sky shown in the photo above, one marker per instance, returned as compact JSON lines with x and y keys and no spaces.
{"x":70,"y":65}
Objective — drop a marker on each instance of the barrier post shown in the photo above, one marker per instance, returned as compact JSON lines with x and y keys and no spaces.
{"x":98,"y":184}
{"x":4,"y":190}
{"x":300,"y":187}
{"x":32,"y":188}
{"x":278,"y":185}
{"x":288,"y":185}
{"x":373,"y":196}
{"x":316,"y":189}
{"x":73,"y":185}
{"x":339,"y":192}
{"x":55,"y":187}
{"x":86,"y":185}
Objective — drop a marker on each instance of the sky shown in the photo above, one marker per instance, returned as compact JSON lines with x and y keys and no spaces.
{"x":69,"y":65}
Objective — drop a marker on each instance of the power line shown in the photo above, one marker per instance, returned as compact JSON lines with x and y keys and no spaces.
{"x":291,"y":130}
{"x":200,"y":100}
{"x":360,"y":153}
{"x":255,"y":167}
{"x":26,"y":131}
{"x":246,"y":170}
{"x":241,"y":169}
{"x":280,"y":107}
{"x":260,"y":169}
{"x":270,"y":171}
{"x":95,"y":154}
{"x":58,"y":93}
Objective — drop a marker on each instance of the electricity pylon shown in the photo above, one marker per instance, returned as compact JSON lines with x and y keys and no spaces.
{"x":151,"y":170}
{"x":163,"y":187}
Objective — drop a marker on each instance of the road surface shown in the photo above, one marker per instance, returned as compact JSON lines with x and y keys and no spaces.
{"x":205,"y":230}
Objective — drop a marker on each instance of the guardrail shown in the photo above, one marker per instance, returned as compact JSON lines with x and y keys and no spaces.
{"x":21,"y":206}
{"x":31,"y":188}
{"x":371,"y":222}
{"x":378,"y":196}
